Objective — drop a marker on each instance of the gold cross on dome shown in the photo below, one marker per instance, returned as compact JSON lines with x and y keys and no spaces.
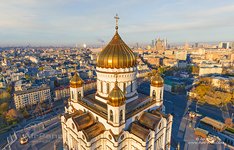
{"x":116,"y":20}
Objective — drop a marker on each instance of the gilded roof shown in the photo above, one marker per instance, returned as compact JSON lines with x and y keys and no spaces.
{"x":76,"y":81}
{"x":83,"y":121}
{"x":116,"y":97}
{"x":139,"y":131}
{"x":116,"y":54}
{"x":94,"y":130}
{"x":157,"y":80}
{"x":149,"y":120}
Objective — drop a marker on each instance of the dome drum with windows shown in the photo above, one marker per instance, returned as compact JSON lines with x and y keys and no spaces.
{"x":76,"y":81}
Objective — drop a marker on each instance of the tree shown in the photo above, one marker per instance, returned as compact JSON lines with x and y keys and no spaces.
{"x":40,"y":68}
{"x":25,"y":114}
{"x":195,"y":69}
{"x":5,"y":96}
{"x":3,"y":107}
{"x":12,"y":116}
{"x":161,"y":70}
{"x":9,"y":88}
{"x":27,"y":77}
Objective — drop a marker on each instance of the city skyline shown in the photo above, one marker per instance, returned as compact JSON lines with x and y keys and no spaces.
{"x":43,"y":23}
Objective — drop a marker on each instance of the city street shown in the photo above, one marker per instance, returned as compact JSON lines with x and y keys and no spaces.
{"x":43,"y":130}
{"x":43,"y":140}
{"x":182,"y":130}
{"x":42,"y":135}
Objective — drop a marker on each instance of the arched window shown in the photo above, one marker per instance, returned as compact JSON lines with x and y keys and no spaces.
{"x":72,"y":95}
{"x":154,"y":94}
{"x":101,"y":86}
{"x":111,"y":115}
{"x":121,"y":116}
{"x":161,"y":94}
{"x":159,"y":127}
{"x":107,"y":88}
{"x":79,"y":95}
{"x":124,"y":87}
{"x":131,"y":86}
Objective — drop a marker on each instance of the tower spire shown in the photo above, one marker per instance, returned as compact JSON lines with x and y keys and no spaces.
{"x":76,"y":67}
{"x":116,"y":21}
{"x":116,"y":76}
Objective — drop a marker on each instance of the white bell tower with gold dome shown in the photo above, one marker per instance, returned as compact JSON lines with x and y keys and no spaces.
{"x":76,"y":88}
{"x":157,"y":88}
{"x":116,"y":107}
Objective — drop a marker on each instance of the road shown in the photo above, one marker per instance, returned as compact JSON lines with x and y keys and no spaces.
{"x":58,"y":108}
{"x":182,"y":130}
{"x":41,"y":137}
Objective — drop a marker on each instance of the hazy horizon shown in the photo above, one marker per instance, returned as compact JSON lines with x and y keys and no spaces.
{"x":71,"y":22}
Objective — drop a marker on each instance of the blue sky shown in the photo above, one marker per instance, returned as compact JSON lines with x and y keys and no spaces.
{"x":66,"y":22}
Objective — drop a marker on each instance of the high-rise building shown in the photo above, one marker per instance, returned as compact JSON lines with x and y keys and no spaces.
{"x":160,"y":45}
{"x":224,"y":45}
{"x":116,"y":116}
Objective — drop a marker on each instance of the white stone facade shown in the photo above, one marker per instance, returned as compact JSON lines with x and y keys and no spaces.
{"x":117,"y":132}
{"x":122,"y":120}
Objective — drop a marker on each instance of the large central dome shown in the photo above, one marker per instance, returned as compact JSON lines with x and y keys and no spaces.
{"x":116,"y":55}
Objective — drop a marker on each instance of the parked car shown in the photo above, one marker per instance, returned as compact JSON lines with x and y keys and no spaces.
{"x":23,"y":139}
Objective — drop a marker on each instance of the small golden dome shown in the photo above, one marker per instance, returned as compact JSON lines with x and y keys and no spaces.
{"x":157,"y":80}
{"x":116,"y":55}
{"x":116,"y":97}
{"x":76,"y":81}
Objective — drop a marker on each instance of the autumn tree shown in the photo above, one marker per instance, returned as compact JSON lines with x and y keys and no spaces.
{"x":5,"y":96}
{"x":25,"y":114}
{"x":12,"y":115}
{"x":3,"y":107}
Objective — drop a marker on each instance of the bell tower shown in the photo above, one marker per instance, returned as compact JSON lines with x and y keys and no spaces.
{"x":76,"y":88}
{"x":156,"y":87}
{"x":116,"y":107}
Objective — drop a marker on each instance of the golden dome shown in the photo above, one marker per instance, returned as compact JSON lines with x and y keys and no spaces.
{"x":76,"y":81}
{"x":116,"y":97}
{"x":116,"y":54}
{"x":157,"y":80}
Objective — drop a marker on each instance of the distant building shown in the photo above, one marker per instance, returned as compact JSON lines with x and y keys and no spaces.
{"x":177,"y":85}
{"x":61,"y":92}
{"x":182,"y":64}
{"x":224,"y":45}
{"x":160,"y":45}
{"x":17,"y":76}
{"x":31,"y":96}
{"x":223,"y":82}
{"x":181,"y":54}
{"x":209,"y":68}
{"x":2,"y":82}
